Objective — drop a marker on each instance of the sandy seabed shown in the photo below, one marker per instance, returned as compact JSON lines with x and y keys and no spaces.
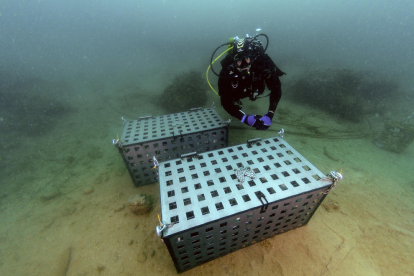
{"x":63,"y":202}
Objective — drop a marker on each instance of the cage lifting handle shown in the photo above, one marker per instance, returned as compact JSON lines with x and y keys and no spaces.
{"x":188,"y":155}
{"x":145,"y":117}
{"x":253,"y":141}
{"x":260,"y":195}
{"x":175,"y":137}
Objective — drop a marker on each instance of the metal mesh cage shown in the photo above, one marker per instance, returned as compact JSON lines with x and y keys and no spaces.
{"x":214,"y":204}
{"x":168,"y":137}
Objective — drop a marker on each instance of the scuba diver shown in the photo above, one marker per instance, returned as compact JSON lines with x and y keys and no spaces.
{"x":245,"y":71}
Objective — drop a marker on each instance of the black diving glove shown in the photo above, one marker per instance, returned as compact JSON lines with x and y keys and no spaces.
{"x":265,"y":121}
{"x":251,"y":120}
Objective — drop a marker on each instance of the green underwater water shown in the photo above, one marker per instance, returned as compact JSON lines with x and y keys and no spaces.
{"x":64,"y":190}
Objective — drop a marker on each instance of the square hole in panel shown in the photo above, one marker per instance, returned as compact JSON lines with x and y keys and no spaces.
{"x":205,"y":210}
{"x":283,"y":187}
{"x":206,"y":173}
{"x":203,"y":165}
{"x":173,"y":205}
{"x":282,"y":146}
{"x":245,"y":154}
{"x":214,"y":193}
{"x":213,"y":162}
{"x":178,"y":162}
{"x":246,"y":198}
{"x":194,"y":176}
{"x":219,"y":206}
{"x":168,"y":173}
{"x":264,"y":150}
{"x":229,"y":167}
{"x":220,"y":152}
{"x":306,"y":168}
{"x":184,"y":190}
{"x":280,"y":154}
{"x":190,"y":215}
{"x":267,"y":168}
{"x":171,"y":193}
{"x":182,"y":179}
{"x":233,"y":176}
{"x":239,"y":187}
{"x":251,"y":183}
{"x":210,"y":155}
{"x":197,"y":186}
{"x":254,"y":152}
{"x":287,"y":162}
{"x":192,"y":167}
{"x":210,"y":182}
{"x":227,"y":190}
{"x":250,"y":162}
{"x":285,"y":174}
{"x":263,"y":179}
{"x":260,"y":159}
{"x":233,"y":202}
{"x":201,"y":197}
{"x":222,"y":179}
{"x":271,"y":191}
{"x":256,"y":170}
{"x":174,"y":219}
{"x":316,"y":177}
{"x":296,"y":171}
{"x":277,"y":165}
{"x":230,"y":150}
{"x":270,"y":157}
{"x":169,"y":182}
{"x":274,"y":176}
{"x":224,"y":159}
{"x":217,"y":170}
{"x":180,"y":170}
{"x":234,"y":157}
{"x":294,"y":183}
{"x":187,"y":201}
{"x":305,"y":180}
{"x":240,"y":165}
{"x":297,"y":159}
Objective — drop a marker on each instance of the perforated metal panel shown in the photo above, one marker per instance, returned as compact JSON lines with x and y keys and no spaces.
{"x":213,"y":212}
{"x":168,"y":137}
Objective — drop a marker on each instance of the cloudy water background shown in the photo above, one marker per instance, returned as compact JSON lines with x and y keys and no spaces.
{"x":60,"y":39}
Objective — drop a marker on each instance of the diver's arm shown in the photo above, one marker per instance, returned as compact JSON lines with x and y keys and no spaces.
{"x":273,"y":83}
{"x":226,"y":98}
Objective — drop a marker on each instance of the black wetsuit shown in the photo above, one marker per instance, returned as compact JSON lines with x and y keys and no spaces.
{"x":235,"y":85}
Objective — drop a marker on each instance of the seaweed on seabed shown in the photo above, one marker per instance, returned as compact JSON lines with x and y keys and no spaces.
{"x":395,"y":137}
{"x":31,"y":107}
{"x":187,"y":90}
{"x":346,"y":93}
